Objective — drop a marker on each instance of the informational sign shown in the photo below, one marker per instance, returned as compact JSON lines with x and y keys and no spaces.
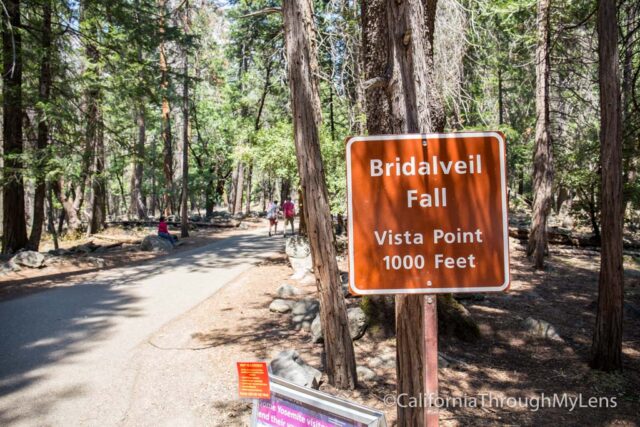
{"x":292,"y":405}
{"x":427,"y":213}
{"x":253,"y":380}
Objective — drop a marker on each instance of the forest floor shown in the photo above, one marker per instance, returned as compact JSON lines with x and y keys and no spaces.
{"x":235,"y":324}
{"x":505,"y":363}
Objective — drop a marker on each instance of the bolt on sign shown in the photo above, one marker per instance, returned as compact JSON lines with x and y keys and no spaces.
{"x":427,"y":213}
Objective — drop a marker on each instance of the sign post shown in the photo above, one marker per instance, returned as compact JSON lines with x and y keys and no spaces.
{"x":427,"y":214}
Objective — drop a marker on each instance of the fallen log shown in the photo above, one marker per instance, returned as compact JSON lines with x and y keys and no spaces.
{"x":120,"y":239}
{"x":561,"y":238}
{"x":199,"y":224}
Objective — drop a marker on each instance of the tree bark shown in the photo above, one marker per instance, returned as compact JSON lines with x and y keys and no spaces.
{"x":402,"y":98}
{"x":167,"y":166}
{"x":302,"y":71}
{"x":98,"y":184}
{"x":94,"y":134}
{"x":44,"y":90}
{"x":137,"y":205}
{"x":543,"y":155}
{"x":249,"y":179}
{"x":14,"y":236}
{"x":184,"y":214}
{"x":607,"y":337}
{"x":237,"y":201}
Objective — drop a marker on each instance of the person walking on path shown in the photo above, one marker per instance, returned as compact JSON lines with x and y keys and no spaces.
{"x":272,"y":216}
{"x":289,"y":210}
{"x":163,"y":232}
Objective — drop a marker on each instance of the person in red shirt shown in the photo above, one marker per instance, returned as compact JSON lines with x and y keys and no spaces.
{"x":163,"y":231}
{"x":289,"y":210}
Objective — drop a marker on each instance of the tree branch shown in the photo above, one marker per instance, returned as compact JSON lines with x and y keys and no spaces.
{"x":265,"y":11}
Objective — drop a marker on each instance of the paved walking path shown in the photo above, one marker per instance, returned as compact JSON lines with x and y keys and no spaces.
{"x":73,"y":355}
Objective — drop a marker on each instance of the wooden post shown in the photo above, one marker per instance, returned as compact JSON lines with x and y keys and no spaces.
{"x":430,"y":327}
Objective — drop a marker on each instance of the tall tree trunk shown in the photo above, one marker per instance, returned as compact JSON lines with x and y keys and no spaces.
{"x":305,"y":102}
{"x":237,"y":202}
{"x":167,"y":166}
{"x":51,"y":216}
{"x":607,"y":336}
{"x":249,"y":179}
{"x":44,"y":90}
{"x":186,"y":128}
{"x":14,"y":235}
{"x":402,"y":98}
{"x":154,"y":192}
{"x":302,"y":206}
{"x":94,"y":131}
{"x":543,"y":155}
{"x":500,"y":96}
{"x":137,"y":205}
{"x":231,"y":195}
{"x":57,"y":186}
{"x":98,"y":184}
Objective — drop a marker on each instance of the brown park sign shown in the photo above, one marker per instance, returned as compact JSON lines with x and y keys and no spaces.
{"x":427,"y":213}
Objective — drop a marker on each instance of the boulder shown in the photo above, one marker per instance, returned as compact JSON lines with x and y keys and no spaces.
{"x":541,"y":329}
{"x":357,"y":325}
{"x":153,"y":243}
{"x":365,"y":374}
{"x":95,"y":262}
{"x":386,"y":360}
{"x":29,"y":259}
{"x":299,"y":252}
{"x":297,"y":247}
{"x":445,"y":361}
{"x":289,"y":365}
{"x":303,"y":312}
{"x":59,"y":252}
{"x":280,"y":305}
{"x":316,"y":330}
{"x":9,"y":267}
{"x":287,"y":291}
{"x":357,"y":322}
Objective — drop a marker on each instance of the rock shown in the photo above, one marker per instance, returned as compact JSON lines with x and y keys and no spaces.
{"x":306,"y":278}
{"x":86,"y":248}
{"x":541,"y":329}
{"x":29,"y":259}
{"x":96,"y":262}
{"x":153,"y":243}
{"x":357,"y":325}
{"x":387,"y":360}
{"x":55,"y":260}
{"x":299,"y":252}
{"x":297,"y":247}
{"x":9,"y":267}
{"x":58,"y":252}
{"x":303,"y":312}
{"x":287,"y":291}
{"x":280,"y":306}
{"x":289,"y":365}
{"x":365,"y":374}
{"x":357,"y":322}
{"x":316,"y":330}
{"x":445,"y":361}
